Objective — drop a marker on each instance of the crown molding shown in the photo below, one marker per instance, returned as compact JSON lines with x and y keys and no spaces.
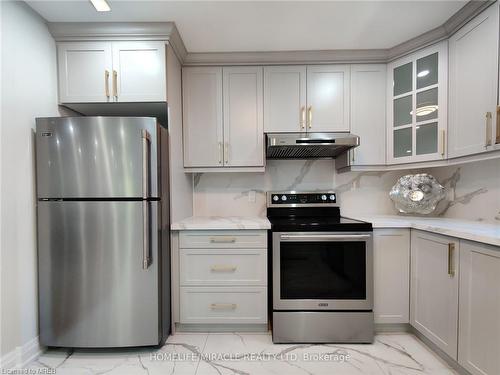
{"x":167,"y":31}
{"x":287,"y":57}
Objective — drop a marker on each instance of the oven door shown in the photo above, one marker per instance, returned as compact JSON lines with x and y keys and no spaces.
{"x":322,"y":271}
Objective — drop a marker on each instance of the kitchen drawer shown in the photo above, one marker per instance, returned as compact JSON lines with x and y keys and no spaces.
{"x":242,"y":305}
{"x":223,"y":239}
{"x":223,"y":267}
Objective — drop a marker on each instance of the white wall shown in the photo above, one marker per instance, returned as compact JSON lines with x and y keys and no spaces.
{"x":28,"y":91}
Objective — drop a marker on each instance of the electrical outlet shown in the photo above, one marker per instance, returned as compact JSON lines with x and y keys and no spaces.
{"x":251,"y":196}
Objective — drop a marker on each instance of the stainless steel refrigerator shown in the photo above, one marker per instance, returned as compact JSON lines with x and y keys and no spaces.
{"x":103,"y":231}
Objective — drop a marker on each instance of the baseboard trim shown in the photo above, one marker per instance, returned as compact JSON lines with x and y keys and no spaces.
{"x":440,"y":353}
{"x":392,"y":327}
{"x":21,"y":356}
{"x":180,"y":327}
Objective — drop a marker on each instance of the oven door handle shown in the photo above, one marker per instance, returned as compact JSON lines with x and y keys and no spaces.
{"x":323,"y":237}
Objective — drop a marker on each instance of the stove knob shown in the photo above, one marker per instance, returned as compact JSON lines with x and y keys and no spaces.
{"x":275,"y":198}
{"x":323,"y":197}
{"x":283,"y":198}
{"x":332,"y":197}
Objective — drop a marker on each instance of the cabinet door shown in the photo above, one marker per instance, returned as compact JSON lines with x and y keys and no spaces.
{"x":434,"y":289}
{"x":139,"y":71}
{"x":368,"y":113}
{"x":391,"y":263}
{"x":243,"y":117}
{"x":474,"y":84}
{"x":84,"y":72}
{"x":328,"y":98}
{"x":284,"y":98}
{"x":202,"y":116}
{"x":479,"y":329}
{"x":417,"y":107}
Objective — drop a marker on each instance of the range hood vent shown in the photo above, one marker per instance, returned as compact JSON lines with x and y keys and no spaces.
{"x":308,"y":145}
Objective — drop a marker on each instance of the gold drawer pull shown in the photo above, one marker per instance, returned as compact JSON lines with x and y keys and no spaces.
{"x":223,"y":268}
{"x":497,"y":140}
{"x":106,"y":83}
{"x":451,"y":250}
{"x":488,"y":129}
{"x":310,"y":116}
{"x":222,"y":239}
{"x":223,"y":306}
{"x":303,"y":117}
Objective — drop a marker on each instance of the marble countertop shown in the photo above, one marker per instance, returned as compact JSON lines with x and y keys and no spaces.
{"x":221,"y":223}
{"x":488,"y":233}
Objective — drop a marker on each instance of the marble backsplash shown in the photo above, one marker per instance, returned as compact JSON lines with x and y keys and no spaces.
{"x":224,"y":194}
{"x":473,"y":190}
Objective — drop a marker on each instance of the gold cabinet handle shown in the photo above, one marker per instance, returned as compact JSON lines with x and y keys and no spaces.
{"x":303,"y":117}
{"x":310,"y":116}
{"x":222,"y":239}
{"x":226,"y":152}
{"x":106,"y":83}
{"x":442,"y":144}
{"x":220,"y":152}
{"x":488,"y":130}
{"x":115,"y":84}
{"x":223,"y":268}
{"x":223,"y":306}
{"x":498,"y":126}
{"x":451,"y":250}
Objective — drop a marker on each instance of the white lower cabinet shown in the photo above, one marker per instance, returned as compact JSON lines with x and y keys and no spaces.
{"x":391,"y":248}
{"x":434,"y":289}
{"x":479,"y":323}
{"x":223,"y":277}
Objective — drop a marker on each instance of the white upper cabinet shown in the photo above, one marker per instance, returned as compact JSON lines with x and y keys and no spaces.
{"x":306,"y":99}
{"x":434,"y":289}
{"x":474,"y":84}
{"x":223,"y":118}
{"x":284,"y":98}
{"x":243,"y":116}
{"x":328,"y":98}
{"x":202,"y":116}
{"x":417,"y":106}
{"x":92,"y":72}
{"x":479,"y":328}
{"x":368,"y":106}
{"x":139,"y":71}
{"x":85,"y":72}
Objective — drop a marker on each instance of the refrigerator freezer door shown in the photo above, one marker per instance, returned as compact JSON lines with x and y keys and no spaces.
{"x":95,"y":157}
{"x":93,"y":290}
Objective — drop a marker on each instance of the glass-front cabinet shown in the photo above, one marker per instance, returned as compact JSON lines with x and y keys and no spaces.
{"x":416,"y":115}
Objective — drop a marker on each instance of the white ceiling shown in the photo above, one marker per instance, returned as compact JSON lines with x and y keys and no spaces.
{"x":228,"y":26}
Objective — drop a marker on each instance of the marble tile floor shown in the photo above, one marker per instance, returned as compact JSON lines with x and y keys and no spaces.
{"x":250,"y":353}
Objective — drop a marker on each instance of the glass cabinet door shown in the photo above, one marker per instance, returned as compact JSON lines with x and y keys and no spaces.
{"x":417,"y":124}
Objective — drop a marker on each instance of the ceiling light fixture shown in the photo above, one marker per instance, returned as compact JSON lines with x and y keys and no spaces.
{"x":423,"y":73}
{"x":100,"y":5}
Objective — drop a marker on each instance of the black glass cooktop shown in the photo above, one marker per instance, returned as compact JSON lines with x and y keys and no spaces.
{"x":313,"y":219}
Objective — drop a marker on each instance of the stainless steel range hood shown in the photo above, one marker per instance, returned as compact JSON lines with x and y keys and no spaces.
{"x":308,"y":145}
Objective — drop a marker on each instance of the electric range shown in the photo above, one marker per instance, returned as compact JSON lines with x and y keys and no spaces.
{"x":322,"y":270}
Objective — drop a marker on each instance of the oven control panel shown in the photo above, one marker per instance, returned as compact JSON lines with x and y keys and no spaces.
{"x":295,"y":199}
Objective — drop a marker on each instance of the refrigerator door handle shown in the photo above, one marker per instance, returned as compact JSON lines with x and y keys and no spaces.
{"x":145,"y":204}
{"x":146,"y":259}
{"x":146,"y":139}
